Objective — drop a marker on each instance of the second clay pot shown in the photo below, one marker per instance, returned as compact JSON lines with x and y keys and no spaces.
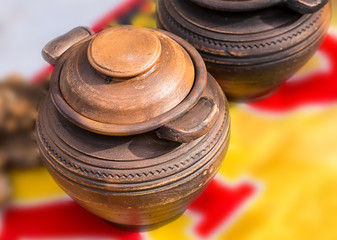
{"x":250,"y":47}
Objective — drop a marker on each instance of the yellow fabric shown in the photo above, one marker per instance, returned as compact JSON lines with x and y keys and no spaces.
{"x":294,"y":156}
{"x":33,"y":185}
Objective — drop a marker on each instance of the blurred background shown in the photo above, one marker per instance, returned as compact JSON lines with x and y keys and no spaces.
{"x":279,"y":178}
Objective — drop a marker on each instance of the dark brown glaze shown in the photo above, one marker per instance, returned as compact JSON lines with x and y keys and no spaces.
{"x":301,"y":6}
{"x":249,"y":54}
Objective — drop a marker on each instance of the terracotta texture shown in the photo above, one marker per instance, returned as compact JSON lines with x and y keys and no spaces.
{"x":155,"y":88}
{"x":128,"y":52}
{"x":250,"y":54}
{"x":137,"y":181}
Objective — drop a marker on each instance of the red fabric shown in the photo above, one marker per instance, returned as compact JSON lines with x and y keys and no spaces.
{"x":218,"y":204}
{"x":318,"y":88}
{"x":57,"y":220}
{"x":67,"y":219}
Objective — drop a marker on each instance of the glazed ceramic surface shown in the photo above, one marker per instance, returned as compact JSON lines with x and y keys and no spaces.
{"x":250,"y":54}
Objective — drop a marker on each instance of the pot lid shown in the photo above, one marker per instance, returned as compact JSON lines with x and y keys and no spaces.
{"x":232,"y":25}
{"x":125,"y":80}
{"x":301,"y":6}
{"x":126,"y":75}
{"x":124,"y":52}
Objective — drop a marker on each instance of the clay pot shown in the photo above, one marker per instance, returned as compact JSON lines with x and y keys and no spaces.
{"x":250,"y":47}
{"x":134,"y":129}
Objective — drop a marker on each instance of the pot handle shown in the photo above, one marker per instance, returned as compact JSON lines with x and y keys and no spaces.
{"x":306,"y":6}
{"x":193,"y":124}
{"x":56,"y":47}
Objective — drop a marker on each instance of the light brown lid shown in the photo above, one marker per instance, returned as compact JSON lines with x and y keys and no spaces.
{"x":126,"y":75}
{"x":127,"y":52}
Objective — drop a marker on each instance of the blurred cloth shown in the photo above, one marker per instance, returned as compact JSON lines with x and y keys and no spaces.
{"x":278,"y":181}
{"x":26,"y":26}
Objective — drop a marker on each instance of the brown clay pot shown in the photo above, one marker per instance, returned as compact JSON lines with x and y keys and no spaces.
{"x":250,"y":47}
{"x":134,"y":128}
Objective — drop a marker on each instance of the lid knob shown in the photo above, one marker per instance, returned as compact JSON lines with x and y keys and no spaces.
{"x":124,"y":52}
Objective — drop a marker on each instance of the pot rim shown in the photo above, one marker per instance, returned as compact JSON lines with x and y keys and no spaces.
{"x":243,"y":49}
{"x":252,"y":5}
{"x":239,"y":6}
{"x":137,"y":128}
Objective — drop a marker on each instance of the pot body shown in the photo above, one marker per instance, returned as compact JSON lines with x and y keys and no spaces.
{"x":249,"y":54}
{"x":133,"y":191}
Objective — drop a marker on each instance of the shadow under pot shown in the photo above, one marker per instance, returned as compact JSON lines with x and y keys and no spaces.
{"x":134,"y":128}
{"x":250,"y":47}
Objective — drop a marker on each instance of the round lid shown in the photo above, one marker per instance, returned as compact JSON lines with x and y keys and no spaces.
{"x":301,"y":6}
{"x":124,"y":52}
{"x":121,"y":78}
